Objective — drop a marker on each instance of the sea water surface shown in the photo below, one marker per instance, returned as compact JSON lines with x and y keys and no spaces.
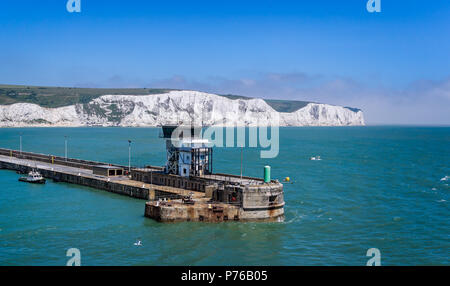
{"x":375,"y":187}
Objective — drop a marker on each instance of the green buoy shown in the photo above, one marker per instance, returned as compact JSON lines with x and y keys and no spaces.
{"x":266,"y":174}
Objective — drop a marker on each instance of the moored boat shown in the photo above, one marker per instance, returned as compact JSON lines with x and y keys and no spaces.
{"x":33,"y":177}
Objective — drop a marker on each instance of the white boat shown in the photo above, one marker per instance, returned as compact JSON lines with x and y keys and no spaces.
{"x":33,"y":177}
{"x":316,"y":158}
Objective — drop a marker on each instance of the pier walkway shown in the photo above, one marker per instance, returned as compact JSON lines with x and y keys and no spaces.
{"x":82,"y":176}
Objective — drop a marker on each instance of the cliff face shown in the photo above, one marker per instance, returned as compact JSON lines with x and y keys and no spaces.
{"x":174,"y":107}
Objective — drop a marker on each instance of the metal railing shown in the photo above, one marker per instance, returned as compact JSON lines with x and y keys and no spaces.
{"x":48,"y":158}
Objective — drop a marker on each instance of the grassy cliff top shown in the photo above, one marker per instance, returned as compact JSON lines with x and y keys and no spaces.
{"x":64,"y":96}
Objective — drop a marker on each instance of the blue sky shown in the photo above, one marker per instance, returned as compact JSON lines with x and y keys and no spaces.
{"x":395,"y":65}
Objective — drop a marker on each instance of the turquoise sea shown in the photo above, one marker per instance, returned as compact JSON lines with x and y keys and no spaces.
{"x":382,"y":187}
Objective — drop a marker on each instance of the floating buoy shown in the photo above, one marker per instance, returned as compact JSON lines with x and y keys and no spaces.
{"x":287,"y":179}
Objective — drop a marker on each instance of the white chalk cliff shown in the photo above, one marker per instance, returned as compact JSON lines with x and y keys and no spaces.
{"x":175,"y":107}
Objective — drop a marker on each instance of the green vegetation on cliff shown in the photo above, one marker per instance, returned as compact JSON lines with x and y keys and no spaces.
{"x":63,"y":96}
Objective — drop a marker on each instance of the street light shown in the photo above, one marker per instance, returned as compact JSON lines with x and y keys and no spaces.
{"x":151,"y":176}
{"x":129,"y":156}
{"x":20,"y":146}
{"x":65,"y":147}
{"x":242,"y":158}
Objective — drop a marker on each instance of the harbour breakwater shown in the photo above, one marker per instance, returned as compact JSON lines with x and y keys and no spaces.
{"x":76,"y":171}
{"x":209,"y":198}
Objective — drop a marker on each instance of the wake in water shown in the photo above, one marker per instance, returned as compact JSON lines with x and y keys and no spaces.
{"x":295,"y":217}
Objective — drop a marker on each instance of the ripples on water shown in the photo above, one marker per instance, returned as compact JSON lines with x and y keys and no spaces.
{"x":383,"y":187}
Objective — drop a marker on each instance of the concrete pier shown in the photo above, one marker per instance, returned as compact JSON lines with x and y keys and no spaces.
{"x":80,"y":172}
{"x":171,"y":198}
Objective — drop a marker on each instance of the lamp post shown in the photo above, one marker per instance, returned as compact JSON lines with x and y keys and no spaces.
{"x":65,"y":147}
{"x":242,"y":157}
{"x":129,"y":156}
{"x":20,"y":144}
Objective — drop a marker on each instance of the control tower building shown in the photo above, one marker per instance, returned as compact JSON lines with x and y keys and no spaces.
{"x":188,"y":154}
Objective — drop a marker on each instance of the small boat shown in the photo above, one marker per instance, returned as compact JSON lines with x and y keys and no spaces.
{"x":317,"y":158}
{"x":33,"y":177}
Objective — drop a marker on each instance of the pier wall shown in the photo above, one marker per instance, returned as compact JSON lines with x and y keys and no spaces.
{"x":102,"y":184}
{"x":262,"y":202}
{"x":209,"y":212}
{"x":162,"y":179}
{"x":173,"y":212}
